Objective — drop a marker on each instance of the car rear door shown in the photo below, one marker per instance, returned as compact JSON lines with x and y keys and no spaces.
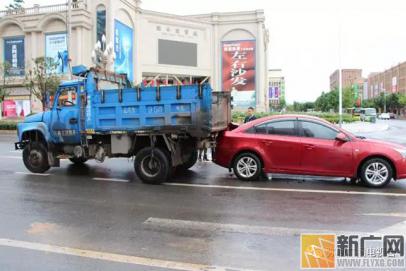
{"x":322,"y":154}
{"x":280,"y":141}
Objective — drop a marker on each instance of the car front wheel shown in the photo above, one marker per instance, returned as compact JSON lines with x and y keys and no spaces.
{"x":376,"y":172}
{"x":247,"y":167}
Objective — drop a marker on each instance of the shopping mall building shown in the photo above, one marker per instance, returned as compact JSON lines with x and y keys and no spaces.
{"x":229,"y":50}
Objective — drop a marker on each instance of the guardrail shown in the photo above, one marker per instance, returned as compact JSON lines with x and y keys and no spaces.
{"x":37,"y":9}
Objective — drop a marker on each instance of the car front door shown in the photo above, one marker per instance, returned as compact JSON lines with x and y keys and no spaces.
{"x":280,"y":142}
{"x":65,"y":116}
{"x":322,"y":153}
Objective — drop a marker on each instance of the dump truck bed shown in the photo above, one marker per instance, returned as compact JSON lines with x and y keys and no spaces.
{"x":191,"y":109}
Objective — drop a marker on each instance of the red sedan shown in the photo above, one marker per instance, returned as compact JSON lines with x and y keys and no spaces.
{"x":304,"y":145}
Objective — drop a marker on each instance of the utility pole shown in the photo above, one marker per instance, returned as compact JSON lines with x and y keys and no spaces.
{"x":384,"y":100}
{"x":69,"y":34}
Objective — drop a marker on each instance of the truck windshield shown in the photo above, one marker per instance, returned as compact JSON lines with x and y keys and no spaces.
{"x":67,"y":96}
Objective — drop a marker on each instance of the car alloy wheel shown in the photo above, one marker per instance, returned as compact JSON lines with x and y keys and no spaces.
{"x":247,"y":167}
{"x":376,"y":173}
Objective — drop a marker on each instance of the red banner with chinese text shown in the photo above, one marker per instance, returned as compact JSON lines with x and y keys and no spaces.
{"x":238,"y":65}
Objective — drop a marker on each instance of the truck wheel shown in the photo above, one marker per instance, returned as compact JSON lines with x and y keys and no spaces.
{"x":78,"y":161}
{"x":152,"y":165}
{"x":35,"y":157}
{"x":190,"y":162}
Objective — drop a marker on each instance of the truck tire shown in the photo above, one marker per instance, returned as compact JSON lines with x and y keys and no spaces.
{"x":35,"y":157}
{"x":78,"y":161}
{"x":152,"y":165}
{"x":190,"y":162}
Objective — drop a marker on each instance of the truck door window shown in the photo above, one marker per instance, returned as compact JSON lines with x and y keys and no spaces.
{"x":67,"y":97}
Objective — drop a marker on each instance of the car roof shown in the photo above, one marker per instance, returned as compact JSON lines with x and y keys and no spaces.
{"x":279,"y":117}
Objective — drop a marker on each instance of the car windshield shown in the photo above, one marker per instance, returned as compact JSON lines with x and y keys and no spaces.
{"x":370,"y":111}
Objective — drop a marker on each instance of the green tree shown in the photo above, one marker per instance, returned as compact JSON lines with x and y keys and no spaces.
{"x":4,"y":71}
{"x":42,"y":80}
{"x":15,"y":5}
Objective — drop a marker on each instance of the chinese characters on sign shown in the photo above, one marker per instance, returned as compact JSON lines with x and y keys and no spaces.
{"x":238,"y":71}
{"x":238,"y":65}
{"x":14,"y":55}
{"x":352,"y":251}
{"x":56,"y":47}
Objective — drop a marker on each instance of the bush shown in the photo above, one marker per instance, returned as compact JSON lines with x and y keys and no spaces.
{"x":8,"y":125}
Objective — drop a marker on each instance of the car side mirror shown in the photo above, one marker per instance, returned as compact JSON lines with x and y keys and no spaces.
{"x":341,"y":137}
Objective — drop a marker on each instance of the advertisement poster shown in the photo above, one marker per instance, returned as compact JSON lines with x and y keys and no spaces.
{"x":56,"y":47}
{"x":238,"y":72}
{"x":123,"y":49}
{"x":14,"y":55}
{"x":274,"y":93}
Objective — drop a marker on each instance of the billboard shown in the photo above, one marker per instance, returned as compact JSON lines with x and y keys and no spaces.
{"x":56,"y":47}
{"x":238,"y":72}
{"x":14,"y":55}
{"x":123,"y":49}
{"x":238,"y":65}
{"x":273,"y":92}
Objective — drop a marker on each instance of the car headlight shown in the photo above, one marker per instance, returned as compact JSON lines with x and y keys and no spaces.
{"x":402,"y":152}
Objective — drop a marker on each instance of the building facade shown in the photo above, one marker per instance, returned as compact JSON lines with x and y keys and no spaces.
{"x":350,"y":77}
{"x":276,"y":88}
{"x":392,"y":80}
{"x":229,"y":50}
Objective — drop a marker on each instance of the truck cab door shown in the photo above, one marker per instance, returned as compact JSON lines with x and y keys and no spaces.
{"x":65,"y":116}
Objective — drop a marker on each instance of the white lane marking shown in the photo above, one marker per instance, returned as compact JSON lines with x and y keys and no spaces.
{"x":288,"y":190}
{"x":34,"y":174}
{"x":16,"y":151}
{"x":10,"y":157}
{"x":386,"y":214}
{"x":111,"y":180}
{"x":398,"y":228}
{"x":112,"y":257}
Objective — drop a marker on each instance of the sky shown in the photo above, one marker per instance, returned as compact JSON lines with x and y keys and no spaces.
{"x":310,"y":38}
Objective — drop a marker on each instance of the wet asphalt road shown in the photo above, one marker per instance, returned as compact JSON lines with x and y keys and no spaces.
{"x":202,"y":218}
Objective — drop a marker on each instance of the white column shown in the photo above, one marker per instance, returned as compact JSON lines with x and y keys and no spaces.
{"x":260,"y":73}
{"x":137,"y":46}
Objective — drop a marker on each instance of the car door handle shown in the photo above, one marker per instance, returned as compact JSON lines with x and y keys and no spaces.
{"x":309,"y":147}
{"x":266,"y":142}
{"x":73,"y":121}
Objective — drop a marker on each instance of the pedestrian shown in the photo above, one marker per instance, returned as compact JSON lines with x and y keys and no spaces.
{"x":203,"y":147}
{"x":250,"y":115}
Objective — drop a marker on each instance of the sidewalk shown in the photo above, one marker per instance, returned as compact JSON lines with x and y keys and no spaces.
{"x":365,"y":127}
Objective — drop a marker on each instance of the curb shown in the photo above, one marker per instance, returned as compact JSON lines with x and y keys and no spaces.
{"x":8,"y":132}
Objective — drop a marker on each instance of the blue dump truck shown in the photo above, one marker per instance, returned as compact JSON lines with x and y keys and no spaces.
{"x":101,"y":115}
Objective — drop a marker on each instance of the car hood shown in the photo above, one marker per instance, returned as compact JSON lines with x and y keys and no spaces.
{"x":34,"y":118}
{"x":384,"y":143}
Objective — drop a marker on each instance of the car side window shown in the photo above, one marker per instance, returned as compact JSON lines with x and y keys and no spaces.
{"x":315,"y":130}
{"x":286,"y":128}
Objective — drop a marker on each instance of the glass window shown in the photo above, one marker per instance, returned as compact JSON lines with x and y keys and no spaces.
{"x":274,"y":128}
{"x":282,"y":128}
{"x":101,"y":23}
{"x":67,"y":97}
{"x":315,"y":130}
